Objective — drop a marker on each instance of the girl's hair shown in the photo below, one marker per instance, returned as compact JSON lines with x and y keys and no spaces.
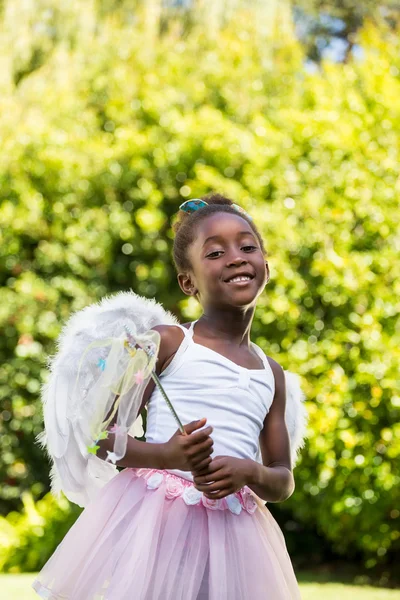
{"x":185,"y":227}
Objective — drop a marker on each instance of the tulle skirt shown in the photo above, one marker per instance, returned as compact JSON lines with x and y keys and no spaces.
{"x":150,"y":535}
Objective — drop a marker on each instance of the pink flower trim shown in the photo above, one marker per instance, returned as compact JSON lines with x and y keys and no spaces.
{"x":249,"y":502}
{"x":177,"y":487}
{"x":211,"y":504}
{"x":174,"y":488}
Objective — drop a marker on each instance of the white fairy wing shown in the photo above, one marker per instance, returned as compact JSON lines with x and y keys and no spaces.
{"x":69,"y":409}
{"x":296,"y":415}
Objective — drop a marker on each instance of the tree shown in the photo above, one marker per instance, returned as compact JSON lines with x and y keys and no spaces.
{"x":332,"y":27}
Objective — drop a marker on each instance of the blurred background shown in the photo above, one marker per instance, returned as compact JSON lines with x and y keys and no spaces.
{"x":112,"y":112}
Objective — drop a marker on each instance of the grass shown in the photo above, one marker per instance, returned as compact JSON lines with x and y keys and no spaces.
{"x":18,"y":587}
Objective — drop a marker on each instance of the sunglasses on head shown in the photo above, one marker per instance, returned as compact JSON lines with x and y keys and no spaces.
{"x":190,"y":206}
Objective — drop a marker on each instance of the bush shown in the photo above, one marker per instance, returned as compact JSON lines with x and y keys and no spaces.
{"x":29,"y":538}
{"x":91,"y":177}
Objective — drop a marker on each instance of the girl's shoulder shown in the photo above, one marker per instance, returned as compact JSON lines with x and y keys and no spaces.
{"x":171,"y":337}
{"x":170,"y":334}
{"x":276,"y":367}
{"x":279,"y":376}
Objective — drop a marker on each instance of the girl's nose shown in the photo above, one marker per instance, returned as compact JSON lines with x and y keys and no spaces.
{"x":236,"y":261}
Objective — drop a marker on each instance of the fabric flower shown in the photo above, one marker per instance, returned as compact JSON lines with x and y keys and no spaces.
{"x":233,"y":503}
{"x":249,"y":502}
{"x":211,"y":504}
{"x":118,"y":429}
{"x":139,"y":376}
{"x":191,"y":496}
{"x":174,"y":488}
{"x":115,"y":429}
{"x":155,"y":480}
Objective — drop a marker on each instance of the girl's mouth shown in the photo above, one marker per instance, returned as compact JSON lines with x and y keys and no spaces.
{"x":240,"y":280}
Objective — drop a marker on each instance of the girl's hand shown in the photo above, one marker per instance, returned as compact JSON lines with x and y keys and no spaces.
{"x":189,"y":452}
{"x":227,"y":473}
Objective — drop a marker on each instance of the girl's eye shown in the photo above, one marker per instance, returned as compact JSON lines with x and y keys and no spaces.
{"x":214,"y":254}
{"x":250,"y":248}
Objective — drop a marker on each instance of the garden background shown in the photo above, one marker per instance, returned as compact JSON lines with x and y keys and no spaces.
{"x":114,"y":112}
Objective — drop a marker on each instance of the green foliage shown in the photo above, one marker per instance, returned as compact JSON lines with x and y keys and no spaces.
{"x":101,"y":144}
{"x":29,"y":538}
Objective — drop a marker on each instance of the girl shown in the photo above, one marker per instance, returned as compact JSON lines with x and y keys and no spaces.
{"x":185,"y":519}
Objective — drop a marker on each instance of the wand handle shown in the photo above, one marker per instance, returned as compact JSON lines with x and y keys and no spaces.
{"x":158,"y":383}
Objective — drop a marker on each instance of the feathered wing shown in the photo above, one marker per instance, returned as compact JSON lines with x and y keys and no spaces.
{"x":296,"y":415}
{"x":67,"y":412}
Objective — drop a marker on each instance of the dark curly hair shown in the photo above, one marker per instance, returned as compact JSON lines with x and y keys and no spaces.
{"x":185,"y":227}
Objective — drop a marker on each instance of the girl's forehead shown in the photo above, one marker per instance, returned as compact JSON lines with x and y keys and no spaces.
{"x":222,"y":224}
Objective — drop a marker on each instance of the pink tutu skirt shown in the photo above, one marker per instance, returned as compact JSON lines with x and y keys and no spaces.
{"x":150,"y":535}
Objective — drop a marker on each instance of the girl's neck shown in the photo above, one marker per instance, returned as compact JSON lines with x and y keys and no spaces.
{"x":232,"y":327}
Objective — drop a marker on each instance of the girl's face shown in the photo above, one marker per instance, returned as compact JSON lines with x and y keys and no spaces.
{"x":228,"y":265}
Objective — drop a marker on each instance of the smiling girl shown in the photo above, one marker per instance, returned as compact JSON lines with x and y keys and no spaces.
{"x":186,"y":518}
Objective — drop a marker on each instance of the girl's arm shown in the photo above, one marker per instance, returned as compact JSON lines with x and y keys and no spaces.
{"x":273,"y":480}
{"x":180,"y":452}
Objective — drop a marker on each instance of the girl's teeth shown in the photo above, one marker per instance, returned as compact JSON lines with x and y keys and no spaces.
{"x":241,"y":279}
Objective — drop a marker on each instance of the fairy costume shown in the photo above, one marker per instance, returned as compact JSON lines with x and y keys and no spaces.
{"x":149,"y":534}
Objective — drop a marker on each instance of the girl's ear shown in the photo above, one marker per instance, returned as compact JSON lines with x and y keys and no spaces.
{"x":186,"y":284}
{"x":267,"y":269}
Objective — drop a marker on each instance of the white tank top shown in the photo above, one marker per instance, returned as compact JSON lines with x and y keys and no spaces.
{"x":203,"y":383}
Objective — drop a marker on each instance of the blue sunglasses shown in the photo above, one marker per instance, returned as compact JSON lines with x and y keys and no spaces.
{"x":190,"y":206}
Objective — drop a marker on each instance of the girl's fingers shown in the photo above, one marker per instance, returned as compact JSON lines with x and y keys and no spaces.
{"x":202,"y":466}
{"x":217,"y":486}
{"x":190,"y":427}
{"x":202,"y":469}
{"x":199,"y":459}
{"x":206,"y":446}
{"x":220,"y":494}
{"x":212,"y":475}
{"x":199,"y":436}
